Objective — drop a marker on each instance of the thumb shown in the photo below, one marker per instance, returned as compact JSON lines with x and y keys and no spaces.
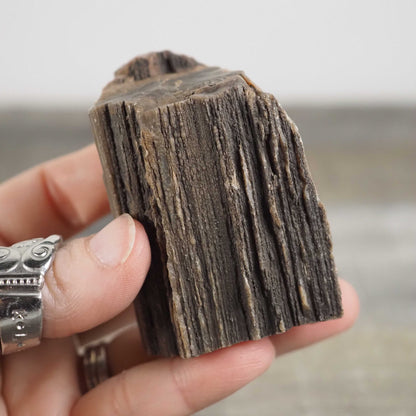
{"x":93,"y":279}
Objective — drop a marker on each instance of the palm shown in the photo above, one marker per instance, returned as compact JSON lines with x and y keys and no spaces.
{"x":80,"y":293}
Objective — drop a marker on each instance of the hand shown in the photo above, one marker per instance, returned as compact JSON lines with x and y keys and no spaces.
{"x":92,"y":280}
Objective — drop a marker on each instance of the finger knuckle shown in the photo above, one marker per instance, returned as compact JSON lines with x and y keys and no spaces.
{"x":122,"y":402}
{"x":181,"y":379}
{"x":59,"y":199}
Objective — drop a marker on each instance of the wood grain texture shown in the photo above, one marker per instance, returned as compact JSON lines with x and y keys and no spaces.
{"x":215,"y":170}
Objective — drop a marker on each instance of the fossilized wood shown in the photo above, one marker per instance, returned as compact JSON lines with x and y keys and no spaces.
{"x":215,"y":170}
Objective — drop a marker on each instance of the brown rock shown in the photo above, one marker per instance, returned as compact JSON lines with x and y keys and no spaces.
{"x":215,"y":170}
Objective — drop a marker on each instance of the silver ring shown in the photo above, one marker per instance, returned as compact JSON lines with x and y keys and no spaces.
{"x":22,"y":271}
{"x":95,"y":366}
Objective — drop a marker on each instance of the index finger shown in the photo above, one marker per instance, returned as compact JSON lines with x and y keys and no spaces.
{"x":61,"y":196}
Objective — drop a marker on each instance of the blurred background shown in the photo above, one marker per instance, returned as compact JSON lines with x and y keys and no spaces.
{"x":346,"y":73}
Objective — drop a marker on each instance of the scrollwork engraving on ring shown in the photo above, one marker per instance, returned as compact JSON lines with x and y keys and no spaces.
{"x":22,"y":270}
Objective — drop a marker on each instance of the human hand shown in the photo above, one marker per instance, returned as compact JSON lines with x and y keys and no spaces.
{"x":92,"y":280}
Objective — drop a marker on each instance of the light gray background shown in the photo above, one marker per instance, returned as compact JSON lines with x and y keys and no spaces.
{"x":321,"y":50}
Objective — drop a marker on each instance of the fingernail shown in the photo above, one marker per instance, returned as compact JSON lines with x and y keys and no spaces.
{"x":113,"y":244}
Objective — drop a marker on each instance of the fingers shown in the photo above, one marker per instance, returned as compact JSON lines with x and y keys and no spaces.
{"x":95,"y":278}
{"x":178,"y":387}
{"x":304,"y":335}
{"x":58,"y":197}
{"x":173,"y":387}
{"x":127,"y":350}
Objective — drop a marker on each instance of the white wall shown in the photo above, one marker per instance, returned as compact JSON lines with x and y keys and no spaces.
{"x":302,"y":50}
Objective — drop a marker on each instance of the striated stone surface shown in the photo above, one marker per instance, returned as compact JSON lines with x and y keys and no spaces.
{"x":215,"y":170}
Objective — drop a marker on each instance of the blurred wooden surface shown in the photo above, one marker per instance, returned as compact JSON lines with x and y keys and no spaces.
{"x":363,"y":162}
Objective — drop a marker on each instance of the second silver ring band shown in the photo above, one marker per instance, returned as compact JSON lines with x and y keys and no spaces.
{"x":95,"y":366}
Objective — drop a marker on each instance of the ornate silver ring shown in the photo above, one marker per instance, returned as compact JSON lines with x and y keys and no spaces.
{"x":22,"y":270}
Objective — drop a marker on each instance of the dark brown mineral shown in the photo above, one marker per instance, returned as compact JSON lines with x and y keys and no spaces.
{"x":215,"y":170}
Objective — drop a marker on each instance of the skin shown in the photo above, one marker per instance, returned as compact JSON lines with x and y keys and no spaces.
{"x":64,"y":196}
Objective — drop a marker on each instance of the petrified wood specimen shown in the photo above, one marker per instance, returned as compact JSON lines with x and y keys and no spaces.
{"x":215,"y":170}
